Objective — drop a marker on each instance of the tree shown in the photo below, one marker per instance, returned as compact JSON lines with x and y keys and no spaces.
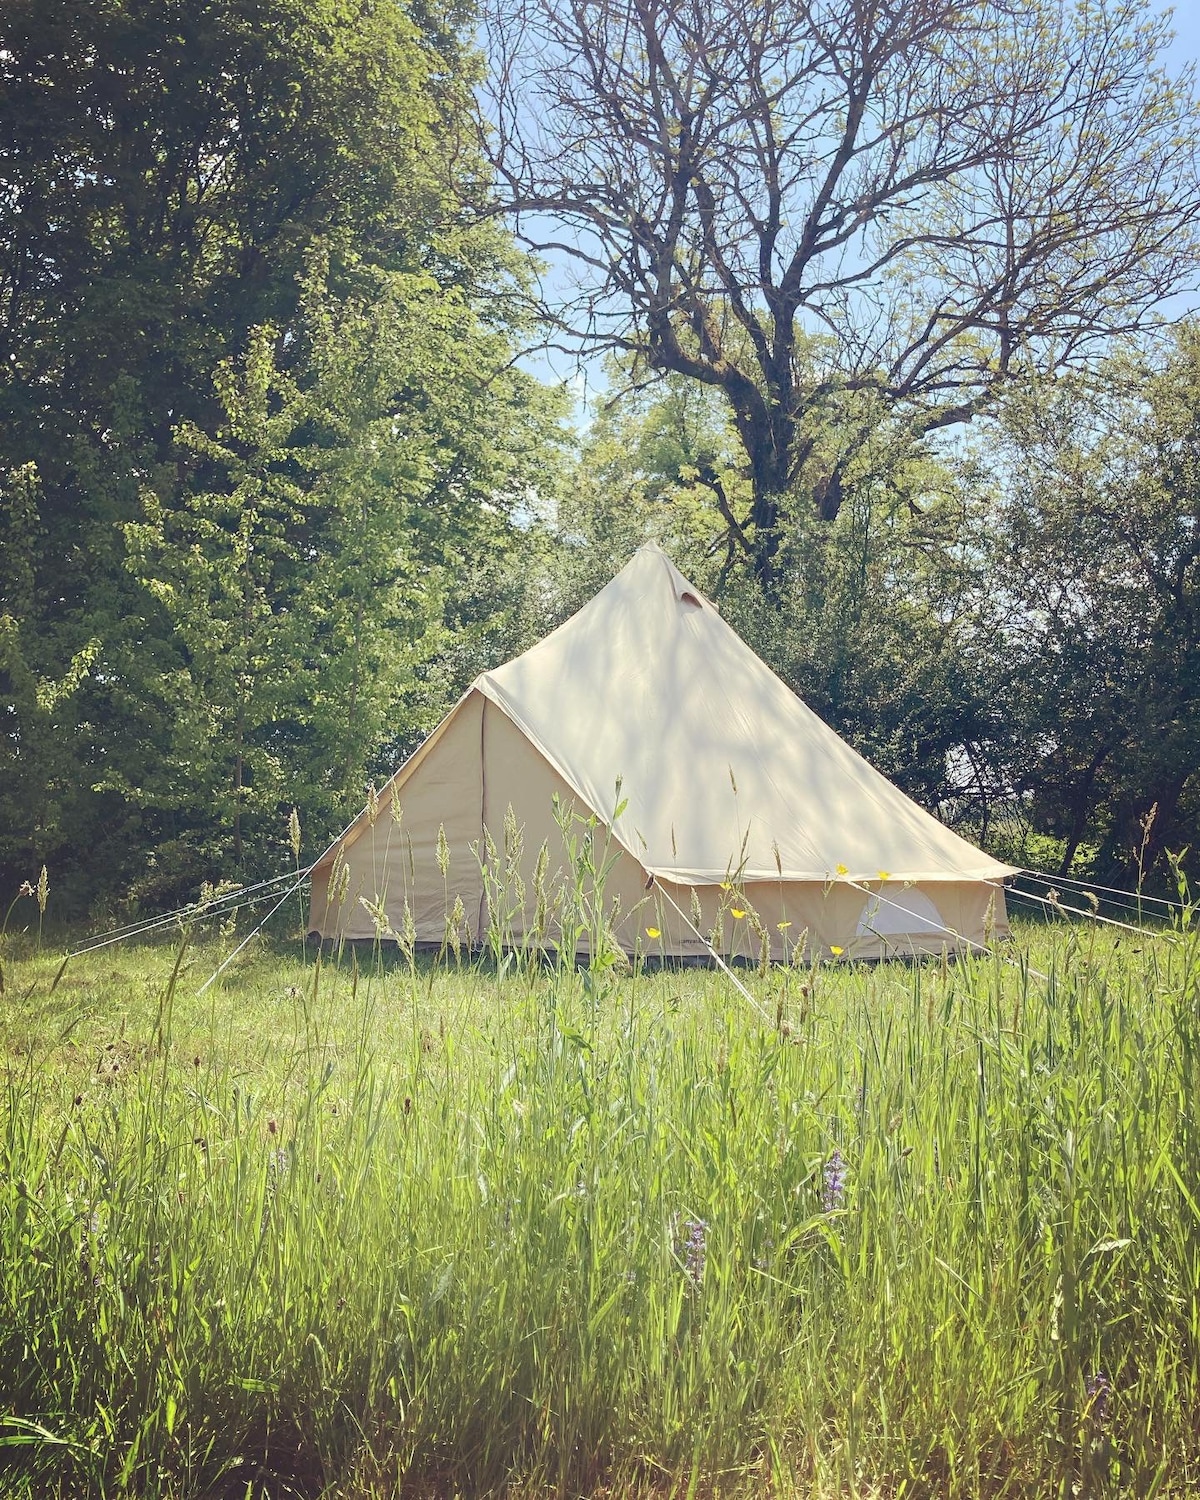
{"x":953,"y":194}
{"x":1093,"y":543}
{"x":305,"y":578}
{"x":177,"y":180}
{"x":659,"y":463}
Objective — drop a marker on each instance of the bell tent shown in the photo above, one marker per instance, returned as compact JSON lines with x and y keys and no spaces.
{"x":727,"y":813}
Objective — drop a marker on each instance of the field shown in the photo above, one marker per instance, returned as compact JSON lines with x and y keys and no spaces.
{"x":361,"y":1228}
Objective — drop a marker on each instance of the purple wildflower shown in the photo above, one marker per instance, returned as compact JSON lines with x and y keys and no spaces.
{"x":1098,"y":1388}
{"x":695,"y":1249}
{"x":835,"y":1182}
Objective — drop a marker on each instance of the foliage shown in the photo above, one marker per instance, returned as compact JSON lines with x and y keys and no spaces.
{"x":1093,"y":544}
{"x":350,"y":1228}
{"x":254,"y":395}
{"x":305,"y":589}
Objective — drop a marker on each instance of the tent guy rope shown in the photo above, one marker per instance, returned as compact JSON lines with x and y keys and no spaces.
{"x":713,"y":954}
{"x":302,"y":876}
{"x":219,"y":906}
{"x":1083,"y":911}
{"x":250,"y":936}
{"x":1129,"y":897}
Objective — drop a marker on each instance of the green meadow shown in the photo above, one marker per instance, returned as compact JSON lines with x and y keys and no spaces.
{"x":361,"y":1227}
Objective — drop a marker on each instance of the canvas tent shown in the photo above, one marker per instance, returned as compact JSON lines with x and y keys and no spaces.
{"x":740,"y":814}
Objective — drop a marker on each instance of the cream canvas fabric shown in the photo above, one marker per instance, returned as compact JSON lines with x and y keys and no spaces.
{"x":712,"y":786}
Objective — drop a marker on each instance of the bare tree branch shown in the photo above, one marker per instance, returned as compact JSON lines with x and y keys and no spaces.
{"x":811,"y":203}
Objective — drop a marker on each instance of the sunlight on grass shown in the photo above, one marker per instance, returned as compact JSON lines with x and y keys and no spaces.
{"x":332,"y":1226}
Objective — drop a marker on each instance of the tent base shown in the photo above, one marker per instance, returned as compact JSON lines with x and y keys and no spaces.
{"x":649,"y":963}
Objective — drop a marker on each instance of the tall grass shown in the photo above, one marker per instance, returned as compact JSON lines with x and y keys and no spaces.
{"x":368,"y":1230}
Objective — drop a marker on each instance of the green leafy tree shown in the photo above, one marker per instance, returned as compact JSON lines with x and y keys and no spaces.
{"x":305,"y":583}
{"x":178,"y":181}
{"x":1095,"y":547}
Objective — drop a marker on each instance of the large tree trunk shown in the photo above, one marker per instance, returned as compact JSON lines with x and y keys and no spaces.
{"x":1081,"y":806}
{"x":1134,"y":846}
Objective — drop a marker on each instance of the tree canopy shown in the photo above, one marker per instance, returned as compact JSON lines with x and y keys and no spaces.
{"x":1093,"y":544}
{"x":255,"y":392}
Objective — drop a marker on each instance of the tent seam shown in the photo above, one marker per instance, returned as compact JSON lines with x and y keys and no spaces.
{"x":493,"y":695}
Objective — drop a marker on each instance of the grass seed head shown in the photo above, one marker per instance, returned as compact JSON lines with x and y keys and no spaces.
{"x":294,"y":834}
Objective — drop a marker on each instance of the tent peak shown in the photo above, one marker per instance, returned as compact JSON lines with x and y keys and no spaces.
{"x":685,"y":591}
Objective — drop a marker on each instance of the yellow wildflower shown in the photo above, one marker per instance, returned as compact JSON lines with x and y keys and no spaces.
{"x":653,"y":932}
{"x":835,"y":950}
{"x":736,"y":911}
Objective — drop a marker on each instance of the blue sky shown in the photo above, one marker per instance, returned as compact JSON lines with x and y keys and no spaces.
{"x":1186,"y":20}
